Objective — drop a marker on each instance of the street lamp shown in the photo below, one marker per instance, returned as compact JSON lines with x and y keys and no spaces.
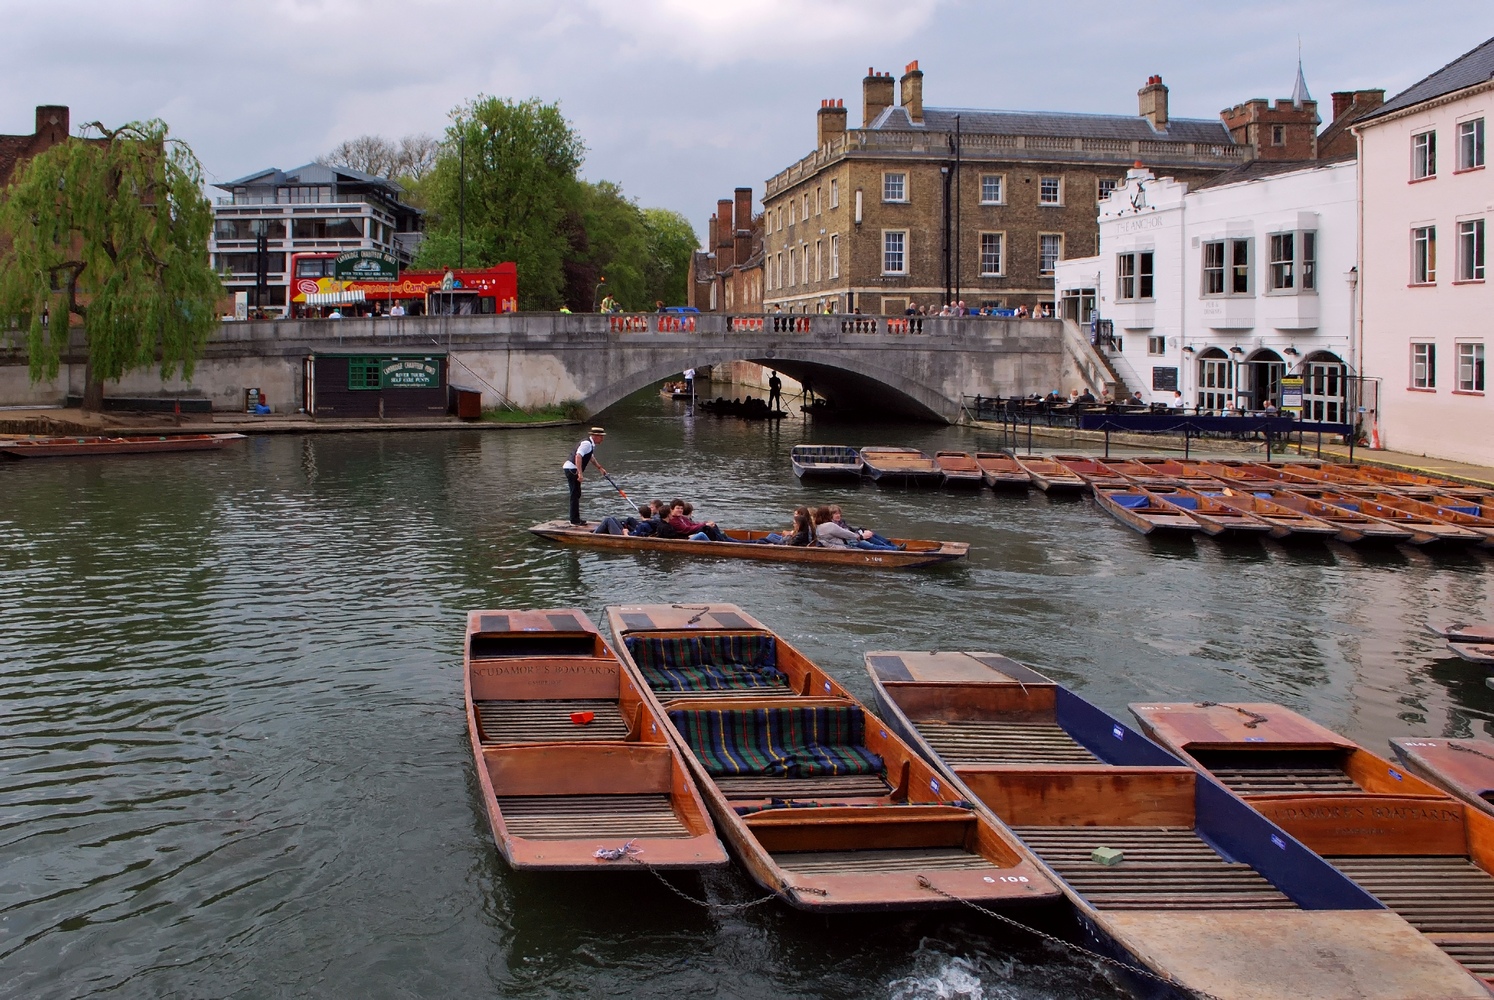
{"x":596,"y":294}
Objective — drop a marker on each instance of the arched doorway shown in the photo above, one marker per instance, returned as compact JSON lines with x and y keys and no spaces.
{"x":1324,"y":388}
{"x":1216,"y":381}
{"x":1261,"y":379}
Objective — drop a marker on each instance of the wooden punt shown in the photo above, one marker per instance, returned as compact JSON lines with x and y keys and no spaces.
{"x":1284,"y":521}
{"x":1354,"y":527}
{"x":1473,"y":652}
{"x":888,"y":466}
{"x":1091,"y":470}
{"x":1462,"y":631}
{"x":1135,"y":508}
{"x":825,"y":461}
{"x":1213,"y":516}
{"x":1424,"y":530}
{"x":1001,"y":471}
{"x":1451,"y":510}
{"x":1406,"y":842}
{"x":959,"y":469}
{"x":863,"y":838}
{"x":1049,"y":475}
{"x":744,"y":544}
{"x":675,"y":390}
{"x":1463,"y":767}
{"x":1209,"y":894}
{"x":1242,"y":474}
{"x":1159,"y":471}
{"x":1410,"y":483}
{"x":572,"y":757}
{"x":137,"y":444}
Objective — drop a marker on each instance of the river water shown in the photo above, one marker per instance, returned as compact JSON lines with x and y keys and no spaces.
{"x":233,"y":760}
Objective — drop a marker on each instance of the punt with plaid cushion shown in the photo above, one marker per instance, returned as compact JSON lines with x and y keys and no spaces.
{"x":573,"y":759}
{"x":820,"y":801}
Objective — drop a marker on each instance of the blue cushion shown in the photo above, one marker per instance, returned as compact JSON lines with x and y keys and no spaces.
{"x":1128,"y":500}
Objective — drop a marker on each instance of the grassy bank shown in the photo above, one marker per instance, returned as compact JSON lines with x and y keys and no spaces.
{"x":542,"y":415}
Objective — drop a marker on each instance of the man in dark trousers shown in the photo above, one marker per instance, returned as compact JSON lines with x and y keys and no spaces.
{"x":576,"y":465}
{"x":775,"y":392}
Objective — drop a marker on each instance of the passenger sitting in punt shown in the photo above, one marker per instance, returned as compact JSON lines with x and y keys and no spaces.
{"x":645,"y":525}
{"x":696,"y":531}
{"x":835,"y":535}
{"x":873,"y":540}
{"x":802,"y":533}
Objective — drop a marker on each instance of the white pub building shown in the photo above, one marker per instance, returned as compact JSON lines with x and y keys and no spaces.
{"x":1222,"y":291}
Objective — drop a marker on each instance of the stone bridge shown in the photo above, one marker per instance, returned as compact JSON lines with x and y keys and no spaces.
{"x":915,"y":367}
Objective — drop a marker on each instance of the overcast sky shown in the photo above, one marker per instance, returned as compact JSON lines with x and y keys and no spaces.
{"x":679,"y":101}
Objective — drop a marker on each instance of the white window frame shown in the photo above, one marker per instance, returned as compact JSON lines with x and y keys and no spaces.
{"x":1292,"y":264}
{"x":792,"y":202}
{"x":1424,"y":255}
{"x":1057,"y":190}
{"x":901,"y":236}
{"x":1471,"y":144}
{"x":1424,"y":155}
{"x":1156,"y":345}
{"x":1100,"y":193}
{"x":1423,"y":365}
{"x":1471,"y":250}
{"x":819,"y":247}
{"x":806,"y":206}
{"x":1136,"y":276}
{"x":1471,"y":375}
{"x":834,"y":254}
{"x":1000,"y":254}
{"x":793,"y":267}
{"x":834,"y":193}
{"x":1057,"y":254}
{"x":818,"y":191}
{"x":993,"y":180}
{"x":901,"y":183}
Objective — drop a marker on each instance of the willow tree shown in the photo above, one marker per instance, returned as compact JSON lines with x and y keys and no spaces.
{"x":112,"y":231}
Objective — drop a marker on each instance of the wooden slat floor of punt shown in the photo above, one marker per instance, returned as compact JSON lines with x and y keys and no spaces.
{"x":775,"y":691}
{"x":977,"y":742}
{"x":1165,"y":868}
{"x":1445,"y":897}
{"x":587,"y":817}
{"x":868,"y":862}
{"x":1279,"y":780}
{"x":837,"y":786}
{"x":505,"y":722}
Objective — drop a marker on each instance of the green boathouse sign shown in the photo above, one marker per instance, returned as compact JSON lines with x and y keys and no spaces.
{"x":366,"y":265}
{"x":410,"y":373}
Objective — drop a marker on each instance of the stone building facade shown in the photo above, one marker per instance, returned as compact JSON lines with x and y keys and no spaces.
{"x":923,"y":204}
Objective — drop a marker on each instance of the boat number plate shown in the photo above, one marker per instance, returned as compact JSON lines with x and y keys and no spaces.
{"x":827,"y":687}
{"x":1278,"y":842}
{"x":653,"y":727}
{"x":1395,"y":774}
{"x":1119,"y":732}
{"x":934,"y":785}
{"x":1414,"y":743}
{"x":883,"y":733}
{"x":1255,"y":739}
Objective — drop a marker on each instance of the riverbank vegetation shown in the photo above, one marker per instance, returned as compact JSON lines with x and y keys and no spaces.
{"x":569,"y":411}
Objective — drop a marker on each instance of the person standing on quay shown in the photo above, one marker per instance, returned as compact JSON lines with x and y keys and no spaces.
{"x":775,"y":392}
{"x":576,"y":465}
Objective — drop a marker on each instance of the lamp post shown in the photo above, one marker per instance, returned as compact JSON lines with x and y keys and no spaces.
{"x":597,"y":292}
{"x":462,"y":200}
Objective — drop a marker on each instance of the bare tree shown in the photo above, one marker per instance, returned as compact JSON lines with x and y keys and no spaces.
{"x":413,"y":156}
{"x":417,"y":155}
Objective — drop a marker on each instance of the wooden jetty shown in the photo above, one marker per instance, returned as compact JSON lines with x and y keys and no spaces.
{"x":749,"y":544}
{"x":1463,"y":767}
{"x":1164,"y":867}
{"x":1406,"y":842}
{"x":889,"y":466}
{"x":821,"y":802}
{"x":135,"y":444}
{"x":959,"y":469}
{"x":573,"y":762}
{"x":1050,"y":476}
{"x":1001,"y":471}
{"x":825,"y":461}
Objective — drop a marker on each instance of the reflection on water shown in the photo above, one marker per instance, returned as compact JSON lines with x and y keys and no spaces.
{"x":230,"y":686}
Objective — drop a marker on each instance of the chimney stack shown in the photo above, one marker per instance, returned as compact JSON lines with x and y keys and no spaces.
{"x":1153,"y":101}
{"x":52,"y":122}
{"x":876,"y":95}
{"x":911,"y":86}
{"x":1367,"y":100}
{"x":742,"y":225}
{"x":724,"y":238}
{"x":831,"y":122}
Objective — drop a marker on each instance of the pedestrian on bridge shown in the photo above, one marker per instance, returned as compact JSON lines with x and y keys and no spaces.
{"x":576,"y":465}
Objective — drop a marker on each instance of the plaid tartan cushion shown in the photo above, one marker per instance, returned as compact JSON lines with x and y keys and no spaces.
{"x":708,"y":662}
{"x":791,"y":742}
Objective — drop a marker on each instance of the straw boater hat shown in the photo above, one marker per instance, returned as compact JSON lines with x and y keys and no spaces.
{"x":598,"y":432}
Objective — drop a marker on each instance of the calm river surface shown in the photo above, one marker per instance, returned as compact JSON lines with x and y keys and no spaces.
{"x":232,"y":756}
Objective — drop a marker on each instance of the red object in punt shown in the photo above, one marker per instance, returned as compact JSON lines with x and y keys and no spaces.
{"x":582,"y":718}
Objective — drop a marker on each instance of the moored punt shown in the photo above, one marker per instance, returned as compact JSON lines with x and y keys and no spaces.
{"x":826,"y":461}
{"x":1159,"y":471}
{"x":1424,"y":530}
{"x":1284,"y":521}
{"x":1405,"y":482}
{"x":746,"y":544}
{"x":899,"y":466}
{"x":1460,"y":513}
{"x":573,"y":759}
{"x":1463,"y":767}
{"x":1353,"y":527}
{"x":1049,"y":476}
{"x":1135,"y":508}
{"x":1474,"y":652}
{"x":1463,"y":631}
{"x":1001,"y":471}
{"x":1091,"y":470}
{"x":821,"y":802}
{"x":1208,"y":894}
{"x":1213,"y":517}
{"x":959,"y":469}
{"x":1240,"y":473}
{"x":61,"y":447}
{"x":1406,"y":842}
{"x":1285,"y":478}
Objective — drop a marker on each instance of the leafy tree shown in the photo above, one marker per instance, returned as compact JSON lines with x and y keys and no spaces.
{"x":671,"y":242}
{"x":113,"y":231}
{"x":617,"y":243}
{"x":520,"y":186}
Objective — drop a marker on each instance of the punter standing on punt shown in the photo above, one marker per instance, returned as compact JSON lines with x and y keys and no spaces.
{"x":576,"y":465}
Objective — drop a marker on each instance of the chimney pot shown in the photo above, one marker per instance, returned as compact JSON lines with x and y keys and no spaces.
{"x":911,"y":86}
{"x":1152,"y":101}
{"x":876,"y":96}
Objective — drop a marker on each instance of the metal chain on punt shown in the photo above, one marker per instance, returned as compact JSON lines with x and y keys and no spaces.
{"x":691,"y":607}
{"x":1068,"y":945}
{"x":1255,"y":718}
{"x":1462,"y":749}
{"x":716,"y":907}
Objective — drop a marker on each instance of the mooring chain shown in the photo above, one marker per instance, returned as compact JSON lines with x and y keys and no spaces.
{"x":706,"y":903}
{"x":1067,"y":945}
{"x":703,"y":611}
{"x":1255,"y":718}
{"x":1462,"y":749}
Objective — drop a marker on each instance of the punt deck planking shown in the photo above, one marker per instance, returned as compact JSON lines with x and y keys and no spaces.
{"x":1001,"y":471}
{"x":571,"y":758}
{"x":859,"y":841}
{"x":1463,"y":767}
{"x":65,"y":447}
{"x":892,"y":466}
{"x":1049,"y":475}
{"x":1208,"y":895}
{"x":959,"y":469}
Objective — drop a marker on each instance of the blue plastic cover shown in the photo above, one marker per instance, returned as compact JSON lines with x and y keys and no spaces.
{"x":1130,"y":501}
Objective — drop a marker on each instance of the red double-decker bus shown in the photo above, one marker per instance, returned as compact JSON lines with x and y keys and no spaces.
{"x":474,"y":291}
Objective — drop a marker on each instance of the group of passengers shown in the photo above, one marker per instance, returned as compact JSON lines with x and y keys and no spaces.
{"x":822,"y":526}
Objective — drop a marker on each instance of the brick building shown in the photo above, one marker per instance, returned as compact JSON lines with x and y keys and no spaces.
{"x":922,"y":204}
{"x":728,"y":275}
{"x":51,"y":129}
